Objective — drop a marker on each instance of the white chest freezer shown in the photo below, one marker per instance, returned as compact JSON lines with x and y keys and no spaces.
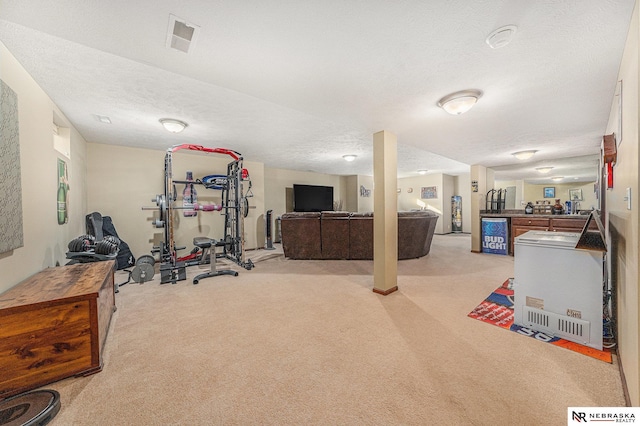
{"x":557,"y":288}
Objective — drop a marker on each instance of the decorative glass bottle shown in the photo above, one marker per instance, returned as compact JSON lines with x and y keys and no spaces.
{"x":63,"y":216}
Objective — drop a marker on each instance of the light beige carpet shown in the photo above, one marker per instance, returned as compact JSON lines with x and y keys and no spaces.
{"x":307,"y":342}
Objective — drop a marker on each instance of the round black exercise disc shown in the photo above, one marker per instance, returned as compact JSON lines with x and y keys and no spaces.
{"x":30,"y":408}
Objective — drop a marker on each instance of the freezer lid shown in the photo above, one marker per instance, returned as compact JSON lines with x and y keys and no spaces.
{"x":548,"y":238}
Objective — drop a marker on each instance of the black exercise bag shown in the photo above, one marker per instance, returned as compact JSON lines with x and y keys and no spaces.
{"x":99,"y":225}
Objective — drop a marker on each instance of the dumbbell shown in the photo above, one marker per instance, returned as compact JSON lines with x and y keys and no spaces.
{"x":108,"y":245}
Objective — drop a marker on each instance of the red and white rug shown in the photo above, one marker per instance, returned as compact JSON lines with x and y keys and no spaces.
{"x":497,"y":309}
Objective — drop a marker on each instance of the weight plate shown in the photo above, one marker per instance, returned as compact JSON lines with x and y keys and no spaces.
{"x":77,"y":245}
{"x":106,"y":247}
{"x":90,"y":238}
{"x":31,"y":408}
{"x":147,"y":258}
{"x":142,"y":273}
{"x":245,"y":206}
{"x":112,"y":239}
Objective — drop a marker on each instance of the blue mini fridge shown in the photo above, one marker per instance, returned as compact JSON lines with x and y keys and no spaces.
{"x":495,"y":236}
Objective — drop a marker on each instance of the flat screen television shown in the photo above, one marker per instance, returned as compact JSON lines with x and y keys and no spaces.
{"x":312,"y":198}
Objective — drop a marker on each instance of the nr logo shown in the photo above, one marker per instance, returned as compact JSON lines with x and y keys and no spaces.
{"x":579,"y":417}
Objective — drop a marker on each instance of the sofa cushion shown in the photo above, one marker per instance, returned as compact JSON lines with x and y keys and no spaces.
{"x":361,"y":236}
{"x":334,"y":231}
{"x":301,"y":235}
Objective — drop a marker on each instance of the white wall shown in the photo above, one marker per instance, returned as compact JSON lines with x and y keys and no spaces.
{"x":351,"y":194}
{"x":448,"y":189}
{"x":45,"y":242}
{"x":365,"y":204}
{"x":520,"y":202}
{"x":412,"y":200}
{"x":622,"y":222}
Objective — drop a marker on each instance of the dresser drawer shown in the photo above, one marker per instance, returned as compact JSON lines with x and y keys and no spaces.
{"x":575,"y":224}
{"x":534,"y":221}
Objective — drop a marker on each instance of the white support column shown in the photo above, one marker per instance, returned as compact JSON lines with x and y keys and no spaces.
{"x":385,"y":213}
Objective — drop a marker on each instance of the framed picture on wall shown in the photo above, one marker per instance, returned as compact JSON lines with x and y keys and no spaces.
{"x":429,"y":192}
{"x":549,"y":191}
{"x":618,"y":95}
{"x":575,"y":195}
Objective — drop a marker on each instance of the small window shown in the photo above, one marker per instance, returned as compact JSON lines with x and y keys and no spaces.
{"x":62,"y":140}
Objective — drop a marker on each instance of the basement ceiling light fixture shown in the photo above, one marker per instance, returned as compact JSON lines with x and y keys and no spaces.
{"x":544,"y":170}
{"x":524,"y":155}
{"x":102,"y":118}
{"x":173,"y":125}
{"x":501,"y":37}
{"x":460,"y":102}
{"x":349,"y":157}
{"x":557,"y":178}
{"x":422,"y":172}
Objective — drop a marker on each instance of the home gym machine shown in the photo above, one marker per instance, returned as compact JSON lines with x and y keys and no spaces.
{"x":234,"y":208}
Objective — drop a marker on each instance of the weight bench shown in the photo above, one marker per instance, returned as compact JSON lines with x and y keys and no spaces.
{"x":208,"y":246}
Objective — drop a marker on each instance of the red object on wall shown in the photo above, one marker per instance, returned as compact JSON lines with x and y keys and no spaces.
{"x":610,"y":150}
{"x":610,"y":156}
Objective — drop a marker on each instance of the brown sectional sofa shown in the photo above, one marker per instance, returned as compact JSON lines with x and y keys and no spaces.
{"x":342,"y":235}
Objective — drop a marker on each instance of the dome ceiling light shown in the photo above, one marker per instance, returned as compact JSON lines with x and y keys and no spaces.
{"x":349,"y":157}
{"x":544,"y":170}
{"x":422,"y":172}
{"x":501,"y":37}
{"x":524,"y":155}
{"x":173,"y":125}
{"x":557,"y":178}
{"x":460,"y":102}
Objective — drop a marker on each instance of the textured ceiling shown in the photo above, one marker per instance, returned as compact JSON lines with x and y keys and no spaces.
{"x":297,"y":84}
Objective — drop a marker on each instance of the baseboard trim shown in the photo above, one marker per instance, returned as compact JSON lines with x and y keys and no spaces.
{"x":625,"y":389}
{"x":385,"y":292}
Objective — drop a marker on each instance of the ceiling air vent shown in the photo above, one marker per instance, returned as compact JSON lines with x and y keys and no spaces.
{"x":181,"y":35}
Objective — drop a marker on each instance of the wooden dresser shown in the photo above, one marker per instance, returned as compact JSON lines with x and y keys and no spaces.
{"x":53,"y":325}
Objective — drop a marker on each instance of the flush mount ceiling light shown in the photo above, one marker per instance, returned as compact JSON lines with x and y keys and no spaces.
{"x":349,"y":157}
{"x":501,"y":37}
{"x":544,"y":169}
{"x":524,"y":155}
{"x":102,"y":118}
{"x":172,"y":125}
{"x":460,"y":102}
{"x":422,"y":172}
{"x":557,"y":178}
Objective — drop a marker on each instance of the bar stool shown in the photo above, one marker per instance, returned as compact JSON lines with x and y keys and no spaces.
{"x":208,"y":246}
